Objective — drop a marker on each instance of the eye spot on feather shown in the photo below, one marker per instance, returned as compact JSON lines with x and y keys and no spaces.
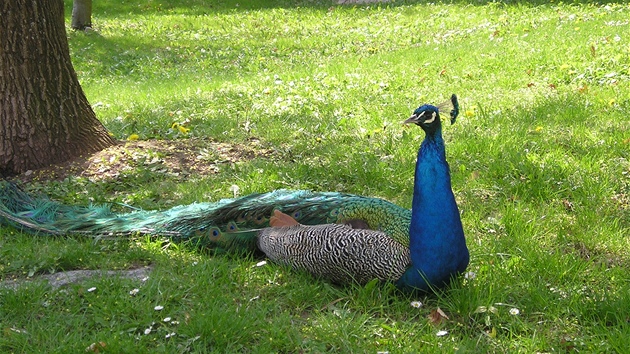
{"x":242,"y":217}
{"x":232,"y":226}
{"x":214,"y":233}
{"x":259,"y":220}
{"x":296,"y":215}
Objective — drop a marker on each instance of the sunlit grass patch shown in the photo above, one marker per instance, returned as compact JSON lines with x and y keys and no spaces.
{"x":539,"y":161}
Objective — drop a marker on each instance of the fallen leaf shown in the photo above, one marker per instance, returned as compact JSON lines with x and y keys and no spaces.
{"x":96,"y":347}
{"x":437,"y":316}
{"x":492,"y":333}
{"x":567,"y":205}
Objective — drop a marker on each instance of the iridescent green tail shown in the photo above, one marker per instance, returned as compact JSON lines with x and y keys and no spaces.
{"x":230,"y":224}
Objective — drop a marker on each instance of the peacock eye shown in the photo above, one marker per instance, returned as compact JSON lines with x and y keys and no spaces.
{"x":432,"y":119}
{"x":297,"y":214}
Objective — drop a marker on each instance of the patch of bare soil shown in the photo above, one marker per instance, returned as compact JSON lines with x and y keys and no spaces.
{"x":176,"y":157}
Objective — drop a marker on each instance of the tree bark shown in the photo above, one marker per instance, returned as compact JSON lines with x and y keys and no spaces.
{"x":45,"y":117}
{"x":81,"y":14}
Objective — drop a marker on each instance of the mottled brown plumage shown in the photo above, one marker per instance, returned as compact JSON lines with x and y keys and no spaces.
{"x":338,"y":253}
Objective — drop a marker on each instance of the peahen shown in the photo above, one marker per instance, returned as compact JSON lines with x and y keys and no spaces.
{"x":337,"y":236}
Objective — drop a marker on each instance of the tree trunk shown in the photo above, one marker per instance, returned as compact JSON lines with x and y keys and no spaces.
{"x":81,"y":14}
{"x":45,"y":117}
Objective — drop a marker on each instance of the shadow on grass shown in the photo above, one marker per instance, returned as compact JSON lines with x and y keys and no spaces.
{"x":113,"y":8}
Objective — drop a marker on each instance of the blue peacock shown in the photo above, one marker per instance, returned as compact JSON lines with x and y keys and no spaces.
{"x":340,"y":237}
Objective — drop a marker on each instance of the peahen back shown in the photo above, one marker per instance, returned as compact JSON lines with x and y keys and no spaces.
{"x":229,"y":224}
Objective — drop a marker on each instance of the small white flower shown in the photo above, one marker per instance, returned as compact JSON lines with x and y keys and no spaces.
{"x":134,"y":292}
{"x":261,"y":263}
{"x":91,"y":289}
{"x":470,"y":275}
{"x":158,"y":308}
{"x":441,"y":333}
{"x":416,"y":304}
{"x":145,"y":279}
{"x":172,"y":334}
{"x":235,"y":189}
{"x":166,"y":319}
{"x":147,"y":331}
{"x":514,"y":311}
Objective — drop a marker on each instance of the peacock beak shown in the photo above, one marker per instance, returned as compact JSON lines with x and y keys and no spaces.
{"x":421,"y":118}
{"x":414,"y":119}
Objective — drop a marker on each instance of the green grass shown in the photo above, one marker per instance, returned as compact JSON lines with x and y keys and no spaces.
{"x":540,"y":160}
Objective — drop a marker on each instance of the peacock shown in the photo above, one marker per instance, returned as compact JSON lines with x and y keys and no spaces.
{"x":336,"y":236}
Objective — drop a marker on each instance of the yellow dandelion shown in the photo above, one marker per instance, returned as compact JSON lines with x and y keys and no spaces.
{"x":469,"y":113}
{"x":612,"y":102}
{"x":133,"y":137}
{"x":564,"y":66}
{"x":182,"y":129}
{"x":538,"y":129}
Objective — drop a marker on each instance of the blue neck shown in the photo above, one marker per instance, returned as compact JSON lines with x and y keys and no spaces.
{"x":436,"y":237}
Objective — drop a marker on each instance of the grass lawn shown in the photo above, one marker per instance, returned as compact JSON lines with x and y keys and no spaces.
{"x":310,"y":95}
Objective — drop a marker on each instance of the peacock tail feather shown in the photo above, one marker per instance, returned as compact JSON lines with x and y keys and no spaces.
{"x":229,"y":224}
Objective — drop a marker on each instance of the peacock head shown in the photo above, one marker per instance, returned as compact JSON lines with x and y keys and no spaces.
{"x":428,"y":116}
